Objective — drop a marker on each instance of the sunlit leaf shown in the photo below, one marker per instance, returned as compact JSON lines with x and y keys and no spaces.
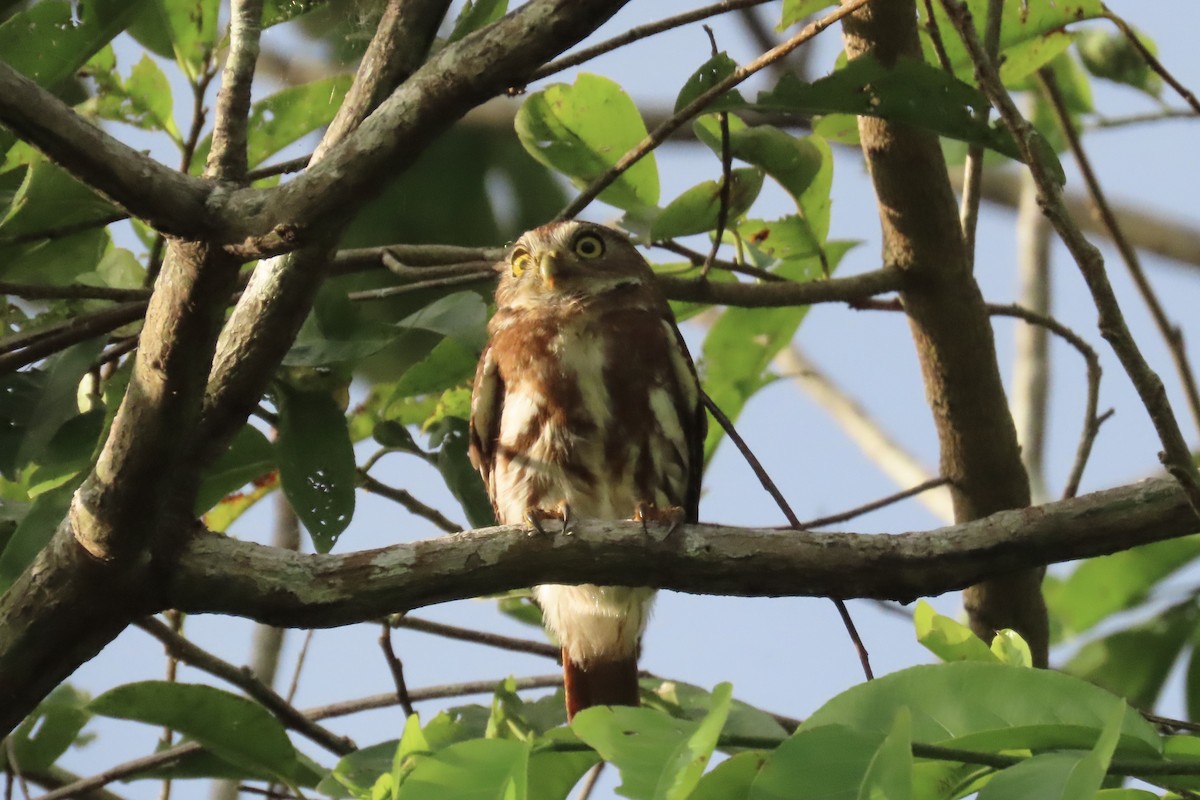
{"x":827,"y":761}
{"x":697,"y":209}
{"x":475,"y":14}
{"x":482,"y":768}
{"x":947,"y":639}
{"x":889,"y":776}
{"x":796,"y":10}
{"x":51,"y":39}
{"x":711,"y":72}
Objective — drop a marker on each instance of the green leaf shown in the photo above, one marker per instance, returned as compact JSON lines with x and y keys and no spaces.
{"x":689,"y":764}
{"x":911,"y":92}
{"x":52,"y":39}
{"x":1100,"y":587}
{"x":1110,"y":55}
{"x":732,"y":778}
{"x":796,"y":10}
{"x":69,"y":452}
{"x":47,"y":200}
{"x":826,"y":761}
{"x":462,"y":316}
{"x":235,"y":728}
{"x":34,"y":532}
{"x":449,"y":364}
{"x":189,"y":25}
{"x":56,"y":403}
{"x":691,"y":702}
{"x":890,"y":773}
{"x":52,"y":728}
{"x":285,"y":117}
{"x":150,"y":95}
{"x":450,"y":436}
{"x":316,"y":462}
{"x":947,"y":639}
{"x":647,"y":746}
{"x":711,"y":72}
{"x":519,"y":605}
{"x":552,"y":775}
{"x":250,"y":456}
{"x":1136,"y":661}
{"x":1058,"y":776}
{"x":1011,"y":649}
{"x":358,"y":771}
{"x":471,"y":770}
{"x":582,"y":129}
{"x":1024,"y":30}
{"x":975,"y":705}
{"x":697,"y":209}
{"x":475,"y":14}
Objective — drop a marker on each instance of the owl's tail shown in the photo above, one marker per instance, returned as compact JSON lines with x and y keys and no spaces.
{"x":601,"y":683}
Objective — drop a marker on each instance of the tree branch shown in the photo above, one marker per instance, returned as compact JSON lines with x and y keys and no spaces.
{"x":227,"y":158}
{"x":216,"y":574}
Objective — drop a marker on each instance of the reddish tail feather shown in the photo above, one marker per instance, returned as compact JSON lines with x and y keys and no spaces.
{"x":602,"y":683}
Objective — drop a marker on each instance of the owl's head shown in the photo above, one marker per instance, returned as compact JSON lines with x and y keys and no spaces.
{"x":569,"y":260}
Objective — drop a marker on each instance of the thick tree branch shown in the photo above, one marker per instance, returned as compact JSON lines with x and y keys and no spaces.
{"x":922,"y":239}
{"x":216,"y":574}
{"x":227,"y":158}
{"x":167,"y":200}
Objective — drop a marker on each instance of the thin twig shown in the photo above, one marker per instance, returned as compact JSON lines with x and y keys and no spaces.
{"x":973,"y":170}
{"x":42,"y":343}
{"x":1172,"y":334}
{"x":681,"y":117}
{"x":412,"y":504}
{"x":767,"y":483}
{"x":700,"y":259}
{"x":589,"y":785}
{"x":874,"y":505}
{"x":726,"y":177}
{"x":282,"y":168}
{"x":409,"y":288}
{"x":1176,"y":456}
{"x":396,"y":667}
{"x":199,"y":658}
{"x":1152,"y":61}
{"x":294,"y":685}
{"x":935,"y":36}
{"x":388,"y":699}
{"x":1109,"y":123}
{"x":640,"y":32}
{"x":478,"y":637}
{"x":63,"y":231}
{"x":74,"y":291}
{"x":168,"y":736}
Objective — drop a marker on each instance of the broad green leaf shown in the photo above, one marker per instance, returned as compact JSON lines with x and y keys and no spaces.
{"x":711,"y":72}
{"x":691,"y":702}
{"x":1100,"y":587}
{"x":358,"y":771}
{"x":947,"y":639}
{"x":52,"y":728}
{"x":742,"y":342}
{"x":647,"y":746}
{"x":50,"y":40}
{"x":911,"y":92}
{"x":449,"y":364}
{"x":1023,"y":29}
{"x":796,"y":10}
{"x":697,"y":209}
{"x":890,"y":773}
{"x":150,"y":95}
{"x":1058,"y":776}
{"x":412,"y":743}
{"x":57,"y":261}
{"x":1110,"y":55}
{"x":47,"y":200}
{"x":732,"y":778}
{"x":552,"y":775}
{"x":583,"y":129}
{"x":688,"y":765}
{"x":1125,"y":794}
{"x":316,"y":462}
{"x":69,"y":452}
{"x":1135,"y":662}
{"x":461,"y":316}
{"x":235,"y":728}
{"x":475,"y":14}
{"x":826,"y":761}
{"x":450,"y":436}
{"x":189,"y":25}
{"x":250,"y":456}
{"x":1011,"y":649}
{"x":337,"y":333}
{"x":56,"y":403}
{"x":471,"y":770}
{"x":285,"y":117}
{"x":975,"y":705}
{"x":204,"y":764}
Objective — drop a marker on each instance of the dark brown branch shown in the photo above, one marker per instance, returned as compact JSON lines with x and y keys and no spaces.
{"x":874,"y":505}
{"x":1176,"y":456}
{"x":217,"y":574}
{"x":243,"y":678}
{"x":23,"y":349}
{"x":396,"y":668}
{"x":973,"y":168}
{"x":412,"y":504}
{"x":781,"y":293}
{"x":1152,"y":61}
{"x":478,"y":637}
{"x":63,"y":231}
{"x":164,"y":198}
{"x":74,"y":291}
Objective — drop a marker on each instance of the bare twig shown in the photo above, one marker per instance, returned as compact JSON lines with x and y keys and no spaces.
{"x":387,"y":700}
{"x":874,"y":505}
{"x":973,"y":171}
{"x":294,"y":685}
{"x":700,"y":260}
{"x":640,"y":32}
{"x":1099,"y":123}
{"x":23,"y":349}
{"x":765,"y":479}
{"x":1176,"y":456}
{"x":185,"y":651}
{"x":62,"y":231}
{"x":396,"y":668}
{"x":1172,"y":334}
{"x":726,"y":178}
{"x":74,"y":291}
{"x":282,"y":168}
{"x":1152,"y":61}
{"x":589,"y":785}
{"x":677,"y":120}
{"x":478,"y":637}
{"x":412,"y":504}
{"x":935,"y":36}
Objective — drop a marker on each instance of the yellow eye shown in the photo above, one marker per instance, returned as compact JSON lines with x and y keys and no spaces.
{"x":589,"y":245}
{"x":520,"y":261}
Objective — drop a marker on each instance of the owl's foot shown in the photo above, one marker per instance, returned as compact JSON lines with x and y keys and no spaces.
{"x":671,"y":516}
{"x":536,"y":516}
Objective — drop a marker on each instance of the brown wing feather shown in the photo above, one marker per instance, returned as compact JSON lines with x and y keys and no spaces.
{"x":694,"y":419}
{"x":487,"y":405}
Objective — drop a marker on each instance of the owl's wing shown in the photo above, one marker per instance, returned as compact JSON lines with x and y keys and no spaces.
{"x":692,"y":416}
{"x":487,"y":402}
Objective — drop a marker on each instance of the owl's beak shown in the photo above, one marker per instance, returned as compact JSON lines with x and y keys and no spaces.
{"x":549,"y":264}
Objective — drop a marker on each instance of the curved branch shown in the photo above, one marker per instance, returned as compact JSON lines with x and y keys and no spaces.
{"x":216,"y":574}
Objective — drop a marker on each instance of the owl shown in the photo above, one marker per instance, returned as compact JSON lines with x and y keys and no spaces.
{"x":586,"y":406}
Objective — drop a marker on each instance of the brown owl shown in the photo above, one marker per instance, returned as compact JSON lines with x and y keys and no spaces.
{"x":586,"y":405}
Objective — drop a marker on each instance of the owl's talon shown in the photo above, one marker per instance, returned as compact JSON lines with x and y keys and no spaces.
{"x":534,"y":517}
{"x":672,"y":517}
{"x":568,"y":520}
